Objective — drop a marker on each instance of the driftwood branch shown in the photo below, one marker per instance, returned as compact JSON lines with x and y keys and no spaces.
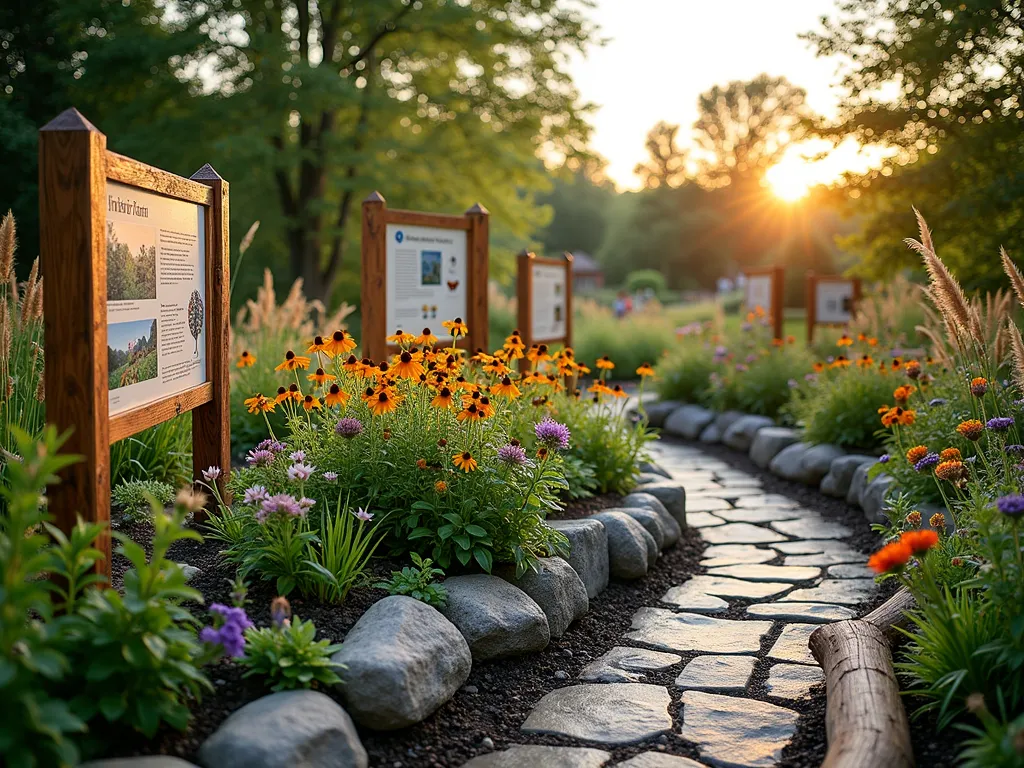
{"x":865,"y":722}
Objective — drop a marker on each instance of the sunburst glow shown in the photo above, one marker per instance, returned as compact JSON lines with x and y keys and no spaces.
{"x":808,"y":164}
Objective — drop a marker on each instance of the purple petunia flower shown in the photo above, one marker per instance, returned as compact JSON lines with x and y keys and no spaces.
{"x":282,"y":504}
{"x":929,"y":460}
{"x":301,"y":472}
{"x":512,"y":454}
{"x":884,"y":458}
{"x":348,"y":427}
{"x":552,"y":434}
{"x":261,"y":457}
{"x":228,"y":630}
{"x":1000,"y":423}
{"x":255,"y":495}
{"x":1012,"y":505}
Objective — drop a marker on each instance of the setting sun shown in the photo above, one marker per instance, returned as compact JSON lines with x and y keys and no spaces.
{"x":790,"y":180}
{"x":807,"y":164}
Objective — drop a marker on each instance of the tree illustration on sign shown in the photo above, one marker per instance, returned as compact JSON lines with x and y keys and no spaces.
{"x":195,"y":317}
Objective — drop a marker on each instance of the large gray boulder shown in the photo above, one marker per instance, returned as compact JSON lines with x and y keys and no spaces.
{"x":649,"y":519}
{"x":769,"y":442}
{"x":817,"y":462}
{"x":711,"y":434}
{"x":496,"y":618}
{"x":557,"y":589}
{"x":284,"y":730}
{"x":726,"y":419}
{"x":672,"y":495}
{"x":650,"y":468}
{"x":740,"y":434}
{"x":840,"y":474}
{"x":788,"y":463}
{"x":658,"y":412}
{"x":629,"y":545}
{"x":588,"y":552}
{"x":646,"y":501}
{"x":688,"y":421}
{"x":858,"y":484}
{"x":872,"y":501}
{"x":403,"y":660}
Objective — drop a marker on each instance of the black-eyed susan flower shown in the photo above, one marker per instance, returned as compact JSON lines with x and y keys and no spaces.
{"x":382,"y":403}
{"x":352,"y":364}
{"x":292,"y":362}
{"x":282,"y":395}
{"x":426,"y":338}
{"x":514,"y":346}
{"x":486,"y":407}
{"x":464,"y":461}
{"x":246,"y":360}
{"x":401,"y":338}
{"x":506,"y":388}
{"x":321,"y":377}
{"x":340,"y":343}
{"x":618,"y":391}
{"x":455,"y":327}
{"x":645,"y":370}
{"x":309,"y":402}
{"x":259,"y":404}
{"x":443,"y":399}
{"x":604,"y":363}
{"x":317,"y":345}
{"x":844,"y":341}
{"x":336,"y":397}
{"x":470,"y":413}
{"x":408,"y":366}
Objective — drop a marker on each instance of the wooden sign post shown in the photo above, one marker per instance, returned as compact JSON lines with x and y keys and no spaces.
{"x":420,"y":269}
{"x":765,"y":288}
{"x":831,"y":300}
{"x":136,"y":312}
{"x":544,"y":292}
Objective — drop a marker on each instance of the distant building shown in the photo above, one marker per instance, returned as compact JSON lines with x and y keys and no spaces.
{"x":587,"y":275}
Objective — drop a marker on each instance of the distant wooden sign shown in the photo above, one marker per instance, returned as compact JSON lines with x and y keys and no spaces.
{"x":544,"y":290}
{"x":420,"y":269}
{"x":135,"y":309}
{"x":831,"y":300}
{"x":765,"y":289}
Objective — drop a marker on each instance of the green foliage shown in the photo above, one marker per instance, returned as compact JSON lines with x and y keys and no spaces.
{"x":764,"y":385}
{"x":340,"y":554}
{"x":160,"y":454}
{"x":630,"y":341}
{"x":289,"y":656}
{"x":643,"y":279}
{"x":840,"y":406}
{"x":685,"y":372}
{"x":417,"y":581}
{"x":136,"y":497}
{"x":996,"y":743}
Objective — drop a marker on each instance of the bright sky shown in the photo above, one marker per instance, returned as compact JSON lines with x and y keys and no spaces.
{"x":663,"y":53}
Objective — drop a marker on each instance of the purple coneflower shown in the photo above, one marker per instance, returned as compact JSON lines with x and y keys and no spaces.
{"x":282,"y":504}
{"x":348,"y":427}
{"x":552,"y":434}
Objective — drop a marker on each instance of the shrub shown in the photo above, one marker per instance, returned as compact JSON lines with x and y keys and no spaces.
{"x":288,"y":655}
{"x":642,"y":279}
{"x":762,"y":384}
{"x":840,"y":406}
{"x":136,"y":497}
{"x":684,"y":374}
{"x":417,"y":582}
{"x":630,"y":341}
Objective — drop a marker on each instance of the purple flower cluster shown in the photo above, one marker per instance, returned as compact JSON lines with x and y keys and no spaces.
{"x":270,"y":444}
{"x":1000,"y":423}
{"x":552,"y":434}
{"x":884,"y":458}
{"x":1012,"y":505}
{"x":260,"y":457}
{"x":929,"y":460}
{"x":331,"y":477}
{"x":348,"y":427}
{"x":512,"y":454}
{"x":255,"y":495}
{"x":283,"y":505}
{"x":1014,"y":450}
{"x":228,"y":630}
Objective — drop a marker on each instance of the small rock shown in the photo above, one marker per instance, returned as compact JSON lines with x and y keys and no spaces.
{"x":840,"y":474}
{"x":628,"y":548}
{"x":858,"y":484}
{"x":738,"y":732}
{"x":646,"y":501}
{"x":658,"y":412}
{"x":740,"y":434}
{"x":726,"y":419}
{"x":650,"y":468}
{"x":588,"y":552}
{"x":735,"y":554}
{"x":606,"y":713}
{"x":561,"y":674}
{"x":872,"y":501}
{"x":627,"y":665}
{"x":522,"y":755}
{"x":487,"y":742}
{"x":649,"y":520}
{"x":818,"y":461}
{"x":283,"y":730}
{"x":792,"y":681}
{"x":792,"y":644}
{"x":190,"y":572}
{"x":149,"y":761}
{"x":557,"y":589}
{"x":711,"y":434}
{"x":769,"y":442}
{"x":788,"y":464}
{"x":470,"y":688}
{"x":688,"y":421}
{"x":496,"y":618}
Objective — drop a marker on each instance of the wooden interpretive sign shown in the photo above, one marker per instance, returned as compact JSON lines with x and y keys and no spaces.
{"x":831,"y":300}
{"x":544,"y":292}
{"x":765,"y":288}
{"x":420,"y":269}
{"x":135,"y":308}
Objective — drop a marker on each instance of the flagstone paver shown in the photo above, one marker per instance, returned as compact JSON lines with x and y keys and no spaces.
{"x":761,"y":546}
{"x":725,"y":674}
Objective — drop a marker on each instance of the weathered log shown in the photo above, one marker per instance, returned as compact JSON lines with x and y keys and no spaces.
{"x":893,"y":613}
{"x":865,"y":723}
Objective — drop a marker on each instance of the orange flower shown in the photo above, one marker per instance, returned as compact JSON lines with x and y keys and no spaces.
{"x":259,"y":404}
{"x":883,"y":409}
{"x":872,"y":342}
{"x":246,"y":359}
{"x":383,"y":403}
{"x":865,"y":361}
{"x":401,"y":337}
{"x":890,"y":558}
{"x":485,"y":406}
{"x":971,"y":429}
{"x":505,"y":388}
{"x":470,"y":413}
{"x":913,"y":369}
{"x":917,"y":453}
{"x":309,"y":402}
{"x":455,"y":327}
{"x":443,"y":399}
{"x":340,"y":343}
{"x":819,"y":367}
{"x":321,"y":377}
{"x":440,"y":487}
{"x":902,"y":393}
{"x":407,"y":367}
{"x":645,"y":370}
{"x":937,"y":521}
{"x":464,"y":461}
{"x":293,"y":361}
{"x":919,"y":542}
{"x":907,"y":418}
{"x":618,"y":391}
{"x":605,"y":363}
{"x":979,"y":386}
{"x":844,"y":341}
{"x":840,"y":362}
{"x":317,"y":345}
{"x":514,"y":346}
{"x":538,"y":353}
{"x":336,"y":397}
{"x":892,"y":417}
{"x":950,"y":454}
{"x":426,"y":338}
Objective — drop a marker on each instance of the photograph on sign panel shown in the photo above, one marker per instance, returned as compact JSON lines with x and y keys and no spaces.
{"x":131,"y":261}
{"x":131,"y":352}
{"x":430,"y":267}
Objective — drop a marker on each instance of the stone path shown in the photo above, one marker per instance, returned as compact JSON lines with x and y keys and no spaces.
{"x":774,"y":572}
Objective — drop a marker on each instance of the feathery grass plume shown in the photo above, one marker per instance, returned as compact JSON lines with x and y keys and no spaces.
{"x":947,"y":293}
{"x":7,"y":246}
{"x":1017,"y":345}
{"x":28,"y":296}
{"x":1016,"y":278}
{"x":36,"y":310}
{"x":41,"y":388}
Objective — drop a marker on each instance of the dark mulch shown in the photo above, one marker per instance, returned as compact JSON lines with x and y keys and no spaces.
{"x":585,"y":507}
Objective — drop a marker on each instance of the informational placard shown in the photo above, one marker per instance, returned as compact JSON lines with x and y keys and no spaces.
{"x":548,"y":308}
{"x":759,"y":292}
{"x":426,"y":278}
{"x":834,"y":301}
{"x":156,"y":296}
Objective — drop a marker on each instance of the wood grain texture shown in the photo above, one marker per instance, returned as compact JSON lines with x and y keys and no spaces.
{"x":128,"y":171}
{"x":134,"y":421}
{"x":72,"y":249}
{"x":211,"y":421}
{"x":423,"y":219}
{"x":569,"y":308}
{"x":524,"y":302}
{"x":479,"y":253}
{"x":865,"y":723}
{"x":373,"y":293}
{"x":778,"y":300}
